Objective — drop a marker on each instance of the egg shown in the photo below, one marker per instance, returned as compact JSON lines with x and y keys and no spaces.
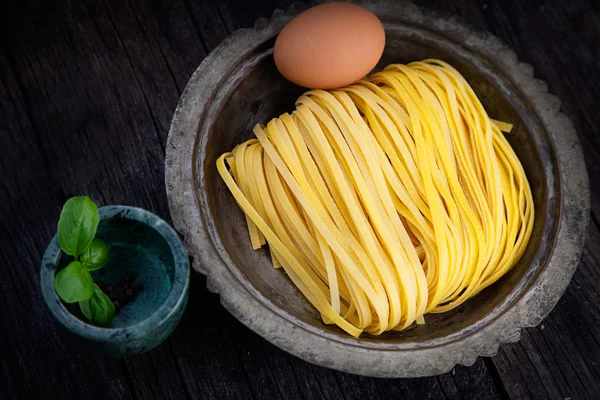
{"x":329,"y":46}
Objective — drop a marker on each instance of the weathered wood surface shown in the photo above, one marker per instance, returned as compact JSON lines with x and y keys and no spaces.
{"x":87,"y":91}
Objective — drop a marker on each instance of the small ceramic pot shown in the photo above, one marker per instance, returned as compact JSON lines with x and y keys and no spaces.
{"x":139,"y":242}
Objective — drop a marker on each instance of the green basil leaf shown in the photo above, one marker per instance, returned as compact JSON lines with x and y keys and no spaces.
{"x":74,"y":283}
{"x":98,"y":308}
{"x":77,"y":225}
{"x":96,"y":255}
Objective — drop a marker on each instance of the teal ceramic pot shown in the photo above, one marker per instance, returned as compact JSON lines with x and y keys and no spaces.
{"x":139,"y":242}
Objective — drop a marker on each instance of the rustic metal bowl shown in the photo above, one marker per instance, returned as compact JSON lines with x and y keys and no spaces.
{"x":237,"y":85}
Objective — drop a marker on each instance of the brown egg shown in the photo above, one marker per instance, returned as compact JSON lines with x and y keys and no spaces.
{"x":329,"y":46}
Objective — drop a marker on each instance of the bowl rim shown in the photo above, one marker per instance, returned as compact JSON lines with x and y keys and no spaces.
{"x":188,"y":209}
{"x":173,"y":301}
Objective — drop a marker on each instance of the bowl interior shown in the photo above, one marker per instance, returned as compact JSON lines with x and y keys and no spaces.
{"x":138,"y":248}
{"x":255,"y":92}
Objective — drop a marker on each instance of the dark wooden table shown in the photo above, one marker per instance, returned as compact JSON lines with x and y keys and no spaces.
{"x":87,"y":91}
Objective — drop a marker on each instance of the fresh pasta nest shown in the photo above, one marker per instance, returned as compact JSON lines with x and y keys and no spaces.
{"x":387,"y":199}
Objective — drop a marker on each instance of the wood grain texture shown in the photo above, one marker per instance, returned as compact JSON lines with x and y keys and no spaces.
{"x":87,"y":92}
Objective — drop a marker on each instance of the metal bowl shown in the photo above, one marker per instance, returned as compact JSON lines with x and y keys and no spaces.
{"x":237,"y":85}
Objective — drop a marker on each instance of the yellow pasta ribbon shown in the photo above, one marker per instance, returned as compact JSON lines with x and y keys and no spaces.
{"x":387,"y":199}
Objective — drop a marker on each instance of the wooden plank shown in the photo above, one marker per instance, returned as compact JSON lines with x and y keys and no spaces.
{"x":559,"y":358}
{"x":358,"y":387}
{"x":7,"y":384}
{"x":421,"y":388}
{"x":559,"y":42}
{"x":280,"y":366}
{"x":209,"y":359}
{"x":473,"y":382}
{"x":81,"y":115}
{"x":31,"y":351}
{"x":168,"y":29}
